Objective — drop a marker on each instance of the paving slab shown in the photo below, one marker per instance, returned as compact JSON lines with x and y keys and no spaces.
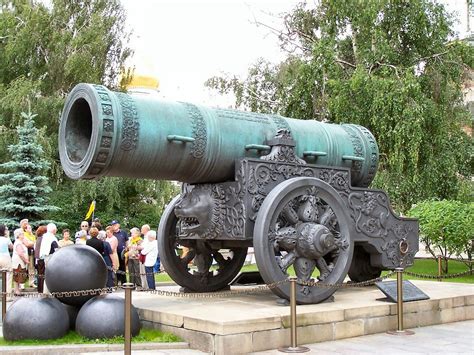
{"x":452,"y":338}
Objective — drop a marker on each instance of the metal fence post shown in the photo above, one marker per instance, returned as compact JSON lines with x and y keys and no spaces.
{"x":294,"y":348}
{"x":4,"y":294}
{"x":128,"y":287}
{"x":400,"y":330}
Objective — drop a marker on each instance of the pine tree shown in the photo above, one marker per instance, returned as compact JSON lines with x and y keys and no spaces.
{"x":24,"y":189}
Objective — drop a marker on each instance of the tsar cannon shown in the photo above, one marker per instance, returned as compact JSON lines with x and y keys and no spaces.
{"x":295,"y":190}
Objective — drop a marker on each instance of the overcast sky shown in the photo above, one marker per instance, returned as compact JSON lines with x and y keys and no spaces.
{"x":184,"y":42}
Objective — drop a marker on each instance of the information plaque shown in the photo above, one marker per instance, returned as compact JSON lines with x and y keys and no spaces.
{"x":410,"y":291}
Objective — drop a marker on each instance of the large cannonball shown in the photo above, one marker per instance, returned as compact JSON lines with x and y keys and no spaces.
{"x":35,"y":318}
{"x":76,"y":268}
{"x":103,"y":317}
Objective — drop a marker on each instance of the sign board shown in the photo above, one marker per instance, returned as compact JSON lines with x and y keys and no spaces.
{"x":410,"y":291}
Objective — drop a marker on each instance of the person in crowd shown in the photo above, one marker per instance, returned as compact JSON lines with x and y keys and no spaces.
{"x":97,"y":225}
{"x":102,"y":235}
{"x":94,"y":242}
{"x":29,"y":241}
{"x":49,"y":244}
{"x":107,"y":255}
{"x":122,"y":239}
{"x":81,"y":237}
{"x":85,"y":228}
{"x":20,"y":260}
{"x":150,"y":250}
{"x":66,"y":239}
{"x":112,"y":240}
{"x":134,"y":246}
{"x":40,"y":265}
{"x":144,"y":230}
{"x":5,"y":259}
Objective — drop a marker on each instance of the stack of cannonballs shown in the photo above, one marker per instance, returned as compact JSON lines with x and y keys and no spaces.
{"x":73,"y":268}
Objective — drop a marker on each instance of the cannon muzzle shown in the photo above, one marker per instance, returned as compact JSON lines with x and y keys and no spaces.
{"x":106,"y":133}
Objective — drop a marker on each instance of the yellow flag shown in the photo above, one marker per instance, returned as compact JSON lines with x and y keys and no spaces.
{"x":91,"y":210}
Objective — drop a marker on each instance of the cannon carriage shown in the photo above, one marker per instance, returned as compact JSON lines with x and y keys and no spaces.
{"x":297,"y":191}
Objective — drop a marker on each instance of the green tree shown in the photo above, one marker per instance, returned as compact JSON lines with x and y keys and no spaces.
{"x":133,"y":202}
{"x":24,"y":191}
{"x":391,"y":66}
{"x":446,"y":228}
{"x":47,"y":47}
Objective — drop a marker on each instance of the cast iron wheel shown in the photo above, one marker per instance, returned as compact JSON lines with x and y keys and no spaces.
{"x":287,"y":225}
{"x":228,"y":265}
{"x":360,"y":269}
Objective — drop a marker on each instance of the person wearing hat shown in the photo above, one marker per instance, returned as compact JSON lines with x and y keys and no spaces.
{"x":122,"y":238}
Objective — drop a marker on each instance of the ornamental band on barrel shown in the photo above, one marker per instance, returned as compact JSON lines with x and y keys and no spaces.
{"x":295,"y":190}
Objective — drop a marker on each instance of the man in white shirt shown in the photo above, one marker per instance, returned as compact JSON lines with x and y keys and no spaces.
{"x":150,"y":250}
{"x":49,"y":244}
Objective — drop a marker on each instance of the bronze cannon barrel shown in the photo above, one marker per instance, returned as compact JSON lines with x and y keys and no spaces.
{"x":106,"y":133}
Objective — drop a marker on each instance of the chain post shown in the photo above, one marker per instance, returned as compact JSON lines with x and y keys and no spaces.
{"x":128,"y":287}
{"x":439,"y":268}
{"x":4,"y":294}
{"x":400,"y":330}
{"x":294,"y":348}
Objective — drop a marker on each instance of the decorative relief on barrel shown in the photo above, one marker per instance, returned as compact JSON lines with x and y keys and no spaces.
{"x":106,"y":142}
{"x":280,"y":122}
{"x":242,"y":115}
{"x":199,"y":130}
{"x":102,"y":157}
{"x":107,"y":109}
{"x":373,"y":156}
{"x":106,"y":139}
{"x":130,"y":123}
{"x":358,"y":148}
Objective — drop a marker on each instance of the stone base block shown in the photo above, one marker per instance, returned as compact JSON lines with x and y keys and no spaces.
{"x":255,"y":322}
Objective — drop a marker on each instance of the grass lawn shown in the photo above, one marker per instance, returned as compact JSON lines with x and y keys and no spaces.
{"x":146,"y":335}
{"x":430,"y":267}
{"x":421,"y":266}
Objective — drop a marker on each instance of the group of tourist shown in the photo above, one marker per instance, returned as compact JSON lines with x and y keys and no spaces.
{"x":27,"y":253}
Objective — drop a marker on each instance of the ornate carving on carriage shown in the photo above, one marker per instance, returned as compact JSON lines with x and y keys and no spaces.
{"x":297,"y":191}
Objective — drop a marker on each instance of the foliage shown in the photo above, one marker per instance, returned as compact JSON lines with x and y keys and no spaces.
{"x":23,"y":193}
{"x":47,"y":47}
{"x":390,"y":66}
{"x":446,"y":228}
{"x":132,"y":202}
{"x":145,"y":336}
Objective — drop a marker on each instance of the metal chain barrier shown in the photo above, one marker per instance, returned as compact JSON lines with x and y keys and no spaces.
{"x":218,"y":294}
{"x":64,"y":294}
{"x":437,"y":277}
{"x":347,"y":284}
